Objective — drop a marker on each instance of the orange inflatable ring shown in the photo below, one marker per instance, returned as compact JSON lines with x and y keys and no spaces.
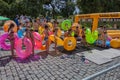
{"x":115,"y":43}
{"x":69,"y":43}
{"x":7,"y":24}
{"x":43,"y":47}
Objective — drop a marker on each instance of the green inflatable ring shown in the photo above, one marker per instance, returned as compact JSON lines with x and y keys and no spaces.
{"x":66,"y":24}
{"x":72,"y":34}
{"x":91,"y":37}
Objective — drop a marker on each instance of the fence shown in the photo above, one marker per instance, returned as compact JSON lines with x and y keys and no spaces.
{"x":112,"y":73}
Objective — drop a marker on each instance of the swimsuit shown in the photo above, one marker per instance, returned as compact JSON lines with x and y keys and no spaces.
{"x":36,"y":30}
{"x":46,"y":38}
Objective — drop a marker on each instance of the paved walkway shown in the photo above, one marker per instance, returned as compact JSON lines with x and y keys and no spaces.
{"x":50,"y":67}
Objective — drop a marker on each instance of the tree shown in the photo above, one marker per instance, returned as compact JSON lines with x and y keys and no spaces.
{"x":68,"y":10}
{"x":4,"y":7}
{"x":95,"y":6}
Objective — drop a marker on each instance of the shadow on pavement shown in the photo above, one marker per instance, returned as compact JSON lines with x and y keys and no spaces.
{"x":80,"y":49}
{"x":29,"y":59}
{"x":5,"y":60}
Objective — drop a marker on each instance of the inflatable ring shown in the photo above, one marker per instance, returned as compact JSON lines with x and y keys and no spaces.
{"x":7,"y":24}
{"x":69,"y":43}
{"x":23,"y":53}
{"x":91,"y":37}
{"x":43,"y":36}
{"x":58,"y":40}
{"x":41,"y":30}
{"x":107,"y":43}
{"x":38,"y":40}
{"x":59,"y":33}
{"x":3,"y":38}
{"x":115,"y":43}
{"x":43,"y":47}
{"x":66,"y":24}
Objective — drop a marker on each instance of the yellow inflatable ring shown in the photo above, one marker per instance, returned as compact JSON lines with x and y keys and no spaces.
{"x":7,"y":24}
{"x":59,"y":33}
{"x":41,"y":30}
{"x":69,"y":43}
{"x":115,"y":43}
{"x":58,"y":40}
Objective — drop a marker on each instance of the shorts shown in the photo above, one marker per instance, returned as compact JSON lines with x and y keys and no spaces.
{"x":75,"y":35}
{"x":99,"y":34}
{"x":46,"y":38}
{"x":83,"y":36}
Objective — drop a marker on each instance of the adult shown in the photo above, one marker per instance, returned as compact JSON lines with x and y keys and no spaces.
{"x":17,"y":21}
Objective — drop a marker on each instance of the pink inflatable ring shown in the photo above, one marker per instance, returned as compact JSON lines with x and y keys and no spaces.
{"x":23,"y":53}
{"x":3,"y":38}
{"x":38,"y":40}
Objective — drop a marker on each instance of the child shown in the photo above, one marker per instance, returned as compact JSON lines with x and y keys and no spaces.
{"x":105,"y":36}
{"x":11,"y":38}
{"x":83,"y":37}
{"x":36,"y":25}
{"x":29,"y":35}
{"x":55,"y":35}
{"x":22,"y":30}
{"x":46,"y":32}
{"x":77,"y":32}
{"x":100,"y":30}
{"x":68,"y":33}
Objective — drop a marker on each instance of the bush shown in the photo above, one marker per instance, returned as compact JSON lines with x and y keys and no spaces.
{"x":59,"y":17}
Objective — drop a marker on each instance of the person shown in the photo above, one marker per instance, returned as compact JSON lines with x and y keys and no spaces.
{"x":104,"y":36}
{"x":77,"y":33}
{"x":100,"y":32}
{"x":22,"y":29}
{"x":11,"y":38}
{"x":29,"y":35}
{"x":46,"y":32}
{"x":83,"y":37}
{"x":36,"y":26}
{"x":68,"y":33}
{"x":17,"y":21}
{"x":55,"y":35}
{"x":55,"y":24}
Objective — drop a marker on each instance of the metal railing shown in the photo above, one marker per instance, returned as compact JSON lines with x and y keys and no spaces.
{"x":112,"y":73}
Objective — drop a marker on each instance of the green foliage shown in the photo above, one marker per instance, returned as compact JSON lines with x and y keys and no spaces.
{"x":68,"y":10}
{"x":4,"y":7}
{"x":95,"y":6}
{"x":34,"y":8}
{"x":59,"y":17}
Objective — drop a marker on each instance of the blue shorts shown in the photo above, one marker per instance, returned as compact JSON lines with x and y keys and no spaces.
{"x":46,"y":38}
